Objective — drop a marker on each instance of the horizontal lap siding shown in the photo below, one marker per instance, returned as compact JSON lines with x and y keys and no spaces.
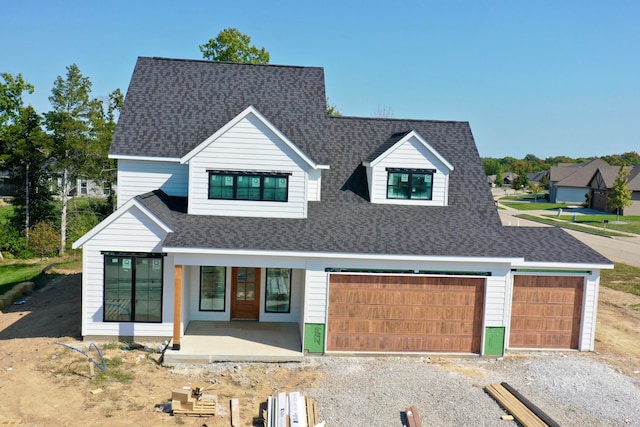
{"x":405,"y":313}
{"x":137,"y":177}
{"x":546,"y":312}
{"x":248,"y":146}
{"x":411,"y":154}
{"x":132,"y":232}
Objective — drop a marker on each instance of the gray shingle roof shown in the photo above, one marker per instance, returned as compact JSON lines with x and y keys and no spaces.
{"x":581,"y":176}
{"x":173,"y":105}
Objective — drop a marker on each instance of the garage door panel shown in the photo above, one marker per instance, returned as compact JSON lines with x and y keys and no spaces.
{"x":404,"y":313}
{"x":546,"y":311}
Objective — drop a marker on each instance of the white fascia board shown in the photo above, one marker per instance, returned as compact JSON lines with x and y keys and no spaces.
{"x":117,"y":214}
{"x":561,"y":266}
{"x":416,"y":135}
{"x":357,"y":256}
{"x":145,"y":158}
{"x":249,"y":110}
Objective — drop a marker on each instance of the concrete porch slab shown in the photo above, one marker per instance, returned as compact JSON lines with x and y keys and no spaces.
{"x":238,"y":341}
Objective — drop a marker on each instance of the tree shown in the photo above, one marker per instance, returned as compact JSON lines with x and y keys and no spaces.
{"x":73,"y":146}
{"x":620,"y":193}
{"x":536,"y":188}
{"x":11,"y":101}
{"x":520,"y":181}
{"x":332,"y":110}
{"x":233,"y":46}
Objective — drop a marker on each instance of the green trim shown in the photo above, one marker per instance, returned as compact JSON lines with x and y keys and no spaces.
{"x":494,"y":341}
{"x":526,"y":270}
{"x":314,"y":337}
{"x":432,"y":272}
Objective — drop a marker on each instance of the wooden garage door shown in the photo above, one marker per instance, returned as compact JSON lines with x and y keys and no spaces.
{"x":546,"y":312}
{"x":404,"y":313}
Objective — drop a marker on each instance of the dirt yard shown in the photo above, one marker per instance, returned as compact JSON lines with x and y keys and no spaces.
{"x":43,"y":383}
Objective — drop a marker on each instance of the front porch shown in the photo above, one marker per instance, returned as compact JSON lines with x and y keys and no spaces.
{"x":237,"y":341}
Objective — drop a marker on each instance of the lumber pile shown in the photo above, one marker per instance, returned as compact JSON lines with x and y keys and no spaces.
{"x":413,"y":417}
{"x":517,"y":405}
{"x":292,"y":410}
{"x":191,"y":401}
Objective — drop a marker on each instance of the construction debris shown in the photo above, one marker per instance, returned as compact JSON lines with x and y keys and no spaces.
{"x":294,"y":410}
{"x":413,"y":417}
{"x":517,"y":405}
{"x":192,"y":401}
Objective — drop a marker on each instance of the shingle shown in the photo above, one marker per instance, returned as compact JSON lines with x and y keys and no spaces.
{"x":173,"y":105}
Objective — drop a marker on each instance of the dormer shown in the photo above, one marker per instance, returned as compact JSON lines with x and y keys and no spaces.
{"x":250,"y":168}
{"x":407,"y":170}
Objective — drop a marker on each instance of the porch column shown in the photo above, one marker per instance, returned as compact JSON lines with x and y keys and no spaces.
{"x":177,"y":306}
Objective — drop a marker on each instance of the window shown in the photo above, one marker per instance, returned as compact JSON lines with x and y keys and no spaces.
{"x":262,"y":186}
{"x":278,"y":290}
{"x":414,"y":184}
{"x":212,"y":288}
{"x":133,"y":288}
{"x":83,"y":187}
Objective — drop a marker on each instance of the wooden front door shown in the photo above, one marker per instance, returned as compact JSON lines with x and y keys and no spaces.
{"x":245,"y":293}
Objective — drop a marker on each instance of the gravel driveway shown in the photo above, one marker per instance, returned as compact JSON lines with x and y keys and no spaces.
{"x":572,"y":388}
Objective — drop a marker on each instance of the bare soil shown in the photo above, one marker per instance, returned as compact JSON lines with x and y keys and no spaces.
{"x":43,"y":383}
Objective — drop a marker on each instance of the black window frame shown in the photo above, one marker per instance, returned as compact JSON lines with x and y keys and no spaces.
{"x":134,"y":258}
{"x":410,"y":172}
{"x":224,"y":295}
{"x":266,"y":291}
{"x":237,"y":174}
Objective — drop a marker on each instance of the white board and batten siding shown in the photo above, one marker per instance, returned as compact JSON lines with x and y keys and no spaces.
{"x":248,"y":146}
{"x":410,"y":155}
{"x":133,"y":231}
{"x":137,"y":177}
{"x":589,"y":308}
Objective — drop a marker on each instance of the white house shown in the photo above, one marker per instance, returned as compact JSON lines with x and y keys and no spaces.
{"x":240,"y":199}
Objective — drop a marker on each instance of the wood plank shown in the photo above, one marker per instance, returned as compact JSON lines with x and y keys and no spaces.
{"x":235,"y":412}
{"x":413,"y":417}
{"x":516,"y":408}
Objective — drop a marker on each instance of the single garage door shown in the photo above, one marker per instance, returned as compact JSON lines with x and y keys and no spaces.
{"x":369,"y":312}
{"x":546,"y":312}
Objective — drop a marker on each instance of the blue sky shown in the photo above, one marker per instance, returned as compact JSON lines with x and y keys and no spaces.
{"x":531,"y":76}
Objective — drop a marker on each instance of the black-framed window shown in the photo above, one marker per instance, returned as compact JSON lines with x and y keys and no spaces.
{"x":261,"y":186}
{"x":133,"y":285}
{"x":213,"y":282}
{"x":415,"y":184}
{"x":278,"y":291}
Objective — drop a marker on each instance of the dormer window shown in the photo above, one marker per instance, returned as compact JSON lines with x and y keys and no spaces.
{"x":260,"y":186}
{"x":414,"y":184}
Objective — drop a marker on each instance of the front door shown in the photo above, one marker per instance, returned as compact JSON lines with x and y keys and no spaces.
{"x":245,"y":293}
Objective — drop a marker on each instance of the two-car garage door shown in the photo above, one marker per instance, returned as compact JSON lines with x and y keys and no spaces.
{"x":385,"y":313}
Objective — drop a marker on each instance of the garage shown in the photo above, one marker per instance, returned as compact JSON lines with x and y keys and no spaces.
{"x":374,"y":312}
{"x":546,"y":312}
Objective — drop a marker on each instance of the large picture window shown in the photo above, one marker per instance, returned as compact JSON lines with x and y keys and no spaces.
{"x":262,"y":186}
{"x":212,"y":288}
{"x":278,"y":290}
{"x":133,"y":288}
{"x":410,"y":184}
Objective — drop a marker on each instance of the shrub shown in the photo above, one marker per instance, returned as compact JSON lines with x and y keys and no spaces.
{"x":44,"y":240}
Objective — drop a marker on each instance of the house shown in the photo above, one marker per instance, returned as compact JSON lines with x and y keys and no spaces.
{"x":569,"y":182}
{"x":602,"y":182}
{"x":240,"y":199}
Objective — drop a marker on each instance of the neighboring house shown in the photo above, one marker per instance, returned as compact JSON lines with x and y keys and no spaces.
{"x":86,"y":188}
{"x":602,"y":182}
{"x":240,"y":199}
{"x":508,"y":178}
{"x":7,"y":189}
{"x":569,"y":183}
{"x":538,"y":177}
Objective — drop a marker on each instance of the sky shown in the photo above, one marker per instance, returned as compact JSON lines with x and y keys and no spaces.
{"x":543,"y":77}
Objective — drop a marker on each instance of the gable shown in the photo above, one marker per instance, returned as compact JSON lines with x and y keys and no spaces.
{"x":172,"y":105}
{"x":408,"y":155}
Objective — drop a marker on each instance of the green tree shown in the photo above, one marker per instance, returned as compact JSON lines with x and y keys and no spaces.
{"x":520,"y":181}
{"x":74,"y":146}
{"x":233,"y":46}
{"x":620,"y":193}
{"x":28,"y":169}
{"x":332,"y":110}
{"x":491,"y":166}
{"x":43,"y":239}
{"x":536,"y":188}
{"x":11,"y":102}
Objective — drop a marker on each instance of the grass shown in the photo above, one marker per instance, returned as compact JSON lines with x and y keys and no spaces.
{"x":623,"y":278}
{"x":632,"y":222}
{"x":6,"y":212}
{"x":569,"y":225}
{"x":530,"y":206}
{"x":115,"y":372}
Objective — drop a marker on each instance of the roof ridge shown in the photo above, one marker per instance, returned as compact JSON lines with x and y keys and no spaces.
{"x":397,"y":119}
{"x":162,"y":58}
